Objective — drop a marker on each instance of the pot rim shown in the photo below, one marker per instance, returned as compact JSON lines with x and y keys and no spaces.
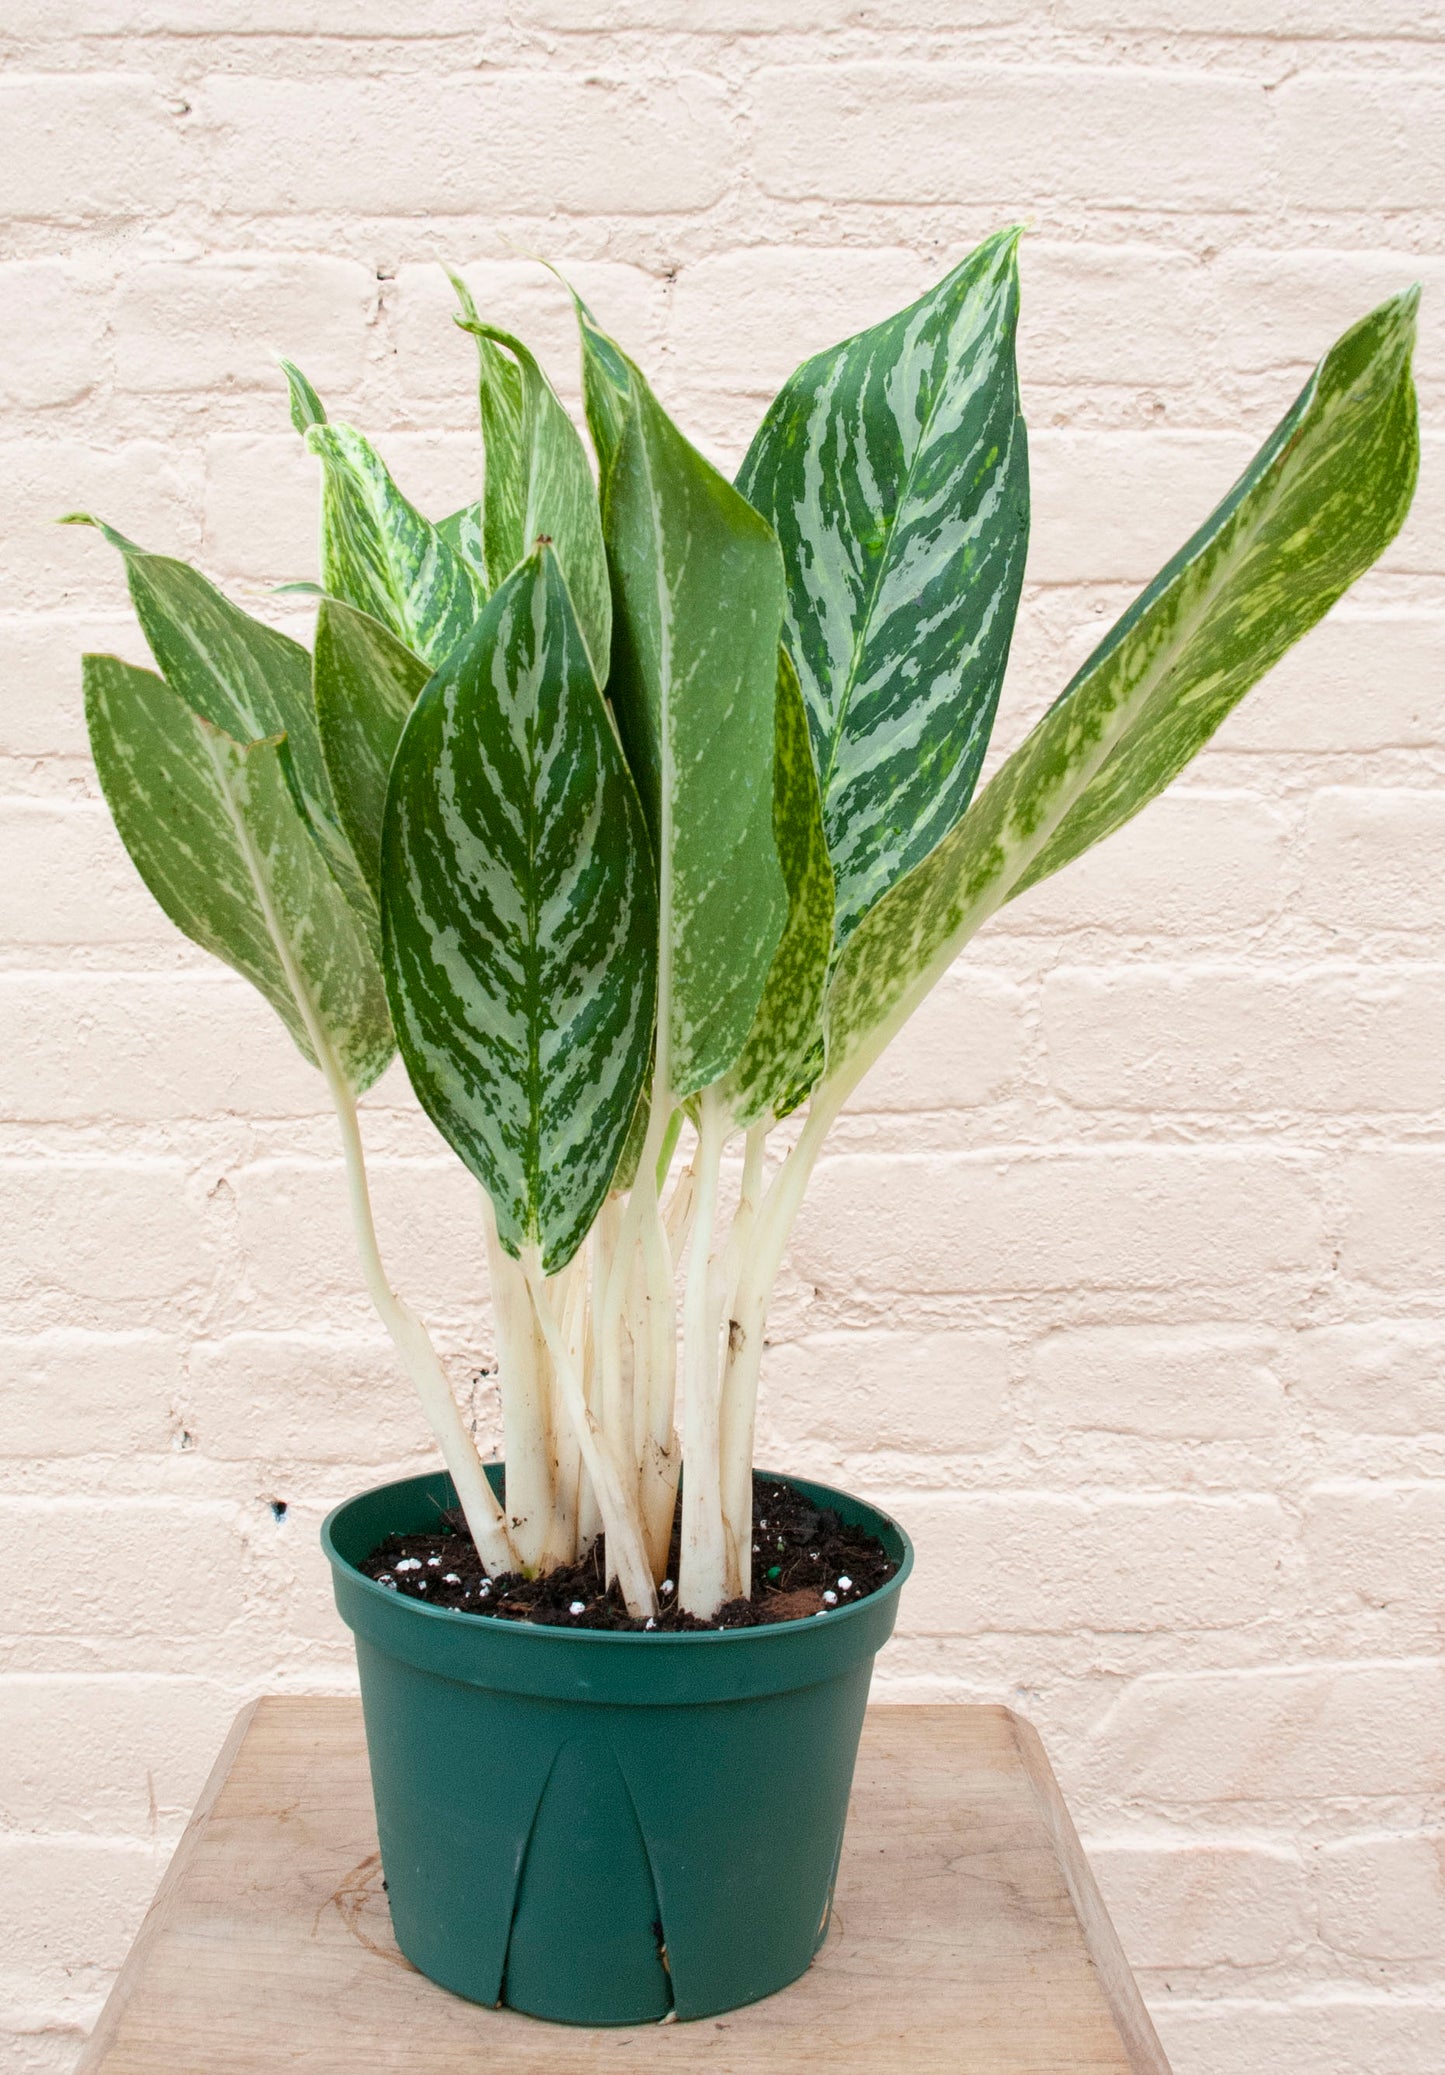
{"x":547,"y":1633}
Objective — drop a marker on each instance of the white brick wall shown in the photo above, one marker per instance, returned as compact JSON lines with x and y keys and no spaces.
{"x":1123,"y":1282}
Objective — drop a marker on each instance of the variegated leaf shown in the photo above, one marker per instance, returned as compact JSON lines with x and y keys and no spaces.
{"x":698,"y":596}
{"x":380,"y":555}
{"x":1318,"y":504}
{"x":211,"y":826}
{"x":606,"y":385}
{"x":559,"y":497}
{"x":365,"y":685}
{"x":784,"y":1044}
{"x":501,"y":409}
{"x":462,"y":531}
{"x":520,"y":915}
{"x":307,"y":409}
{"x":248,"y":680}
{"x":895,"y":470}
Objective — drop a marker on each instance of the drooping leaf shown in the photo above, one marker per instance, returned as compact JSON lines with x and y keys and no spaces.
{"x":895,"y":470}
{"x":520,"y":915}
{"x":559,"y":498}
{"x":365,"y":685}
{"x":379,"y":554}
{"x":307,"y":409}
{"x":212,"y":827}
{"x":698,"y":596}
{"x":462,"y":532}
{"x":246,"y":679}
{"x":785,"y":1040}
{"x":1321,"y":500}
{"x":501,"y":409}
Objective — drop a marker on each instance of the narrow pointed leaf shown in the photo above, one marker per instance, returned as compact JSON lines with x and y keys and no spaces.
{"x":784,"y":1045}
{"x":606,"y":385}
{"x":520,"y":916}
{"x":699,"y":604}
{"x":380,"y":555}
{"x":1318,"y":504}
{"x":558,"y":502}
{"x":365,"y":685}
{"x":246,"y":679}
{"x":204,"y":817}
{"x":501,"y":409}
{"x":894,"y":468}
{"x":307,"y":409}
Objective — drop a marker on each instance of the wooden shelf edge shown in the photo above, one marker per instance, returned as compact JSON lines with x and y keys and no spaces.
{"x":98,"y":2045}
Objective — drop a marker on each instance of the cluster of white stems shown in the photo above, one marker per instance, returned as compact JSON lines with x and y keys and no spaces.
{"x":665,"y":1289}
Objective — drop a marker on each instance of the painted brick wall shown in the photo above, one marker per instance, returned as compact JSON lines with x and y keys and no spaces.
{"x":1123,"y":1282}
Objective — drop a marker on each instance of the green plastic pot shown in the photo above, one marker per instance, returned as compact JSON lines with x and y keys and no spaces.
{"x":602,"y":1828}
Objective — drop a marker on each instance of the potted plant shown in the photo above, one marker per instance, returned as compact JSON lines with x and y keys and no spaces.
{"x":636,"y":809}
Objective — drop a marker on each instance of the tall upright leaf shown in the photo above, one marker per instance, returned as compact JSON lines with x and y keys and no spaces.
{"x":520,"y":915}
{"x":606,"y":385}
{"x":307,"y":409}
{"x":1321,"y":500}
{"x":212,"y":827}
{"x":783,"y":1051}
{"x":247,"y":679}
{"x":698,"y":596}
{"x":895,"y":470}
{"x":501,"y":409}
{"x":382,"y":556}
{"x":365,"y":685}
{"x":557,"y":500}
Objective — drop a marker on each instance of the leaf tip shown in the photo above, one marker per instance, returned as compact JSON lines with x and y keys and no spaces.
{"x":307,"y":409}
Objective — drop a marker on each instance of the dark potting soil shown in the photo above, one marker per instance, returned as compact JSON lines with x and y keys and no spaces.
{"x":806,"y":1561}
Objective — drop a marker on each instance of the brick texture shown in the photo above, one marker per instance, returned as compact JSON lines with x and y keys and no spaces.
{"x":1121,"y":1281}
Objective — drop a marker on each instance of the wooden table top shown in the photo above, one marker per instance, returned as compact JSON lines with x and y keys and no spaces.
{"x":968,"y":1932}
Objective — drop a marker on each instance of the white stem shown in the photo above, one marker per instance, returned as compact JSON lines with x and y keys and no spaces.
{"x":659,"y":1455}
{"x":413,"y":1343}
{"x":538,"y":1532}
{"x":612,"y":1349}
{"x":747,"y":1319}
{"x":677,"y":1218}
{"x":705,"y":1579}
{"x":409,"y":1336}
{"x":618,"y":1505}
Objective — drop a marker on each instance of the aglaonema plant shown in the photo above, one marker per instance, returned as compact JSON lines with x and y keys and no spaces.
{"x":637,"y":809}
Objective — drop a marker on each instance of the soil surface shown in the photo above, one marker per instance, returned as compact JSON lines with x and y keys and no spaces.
{"x":805,"y":1562}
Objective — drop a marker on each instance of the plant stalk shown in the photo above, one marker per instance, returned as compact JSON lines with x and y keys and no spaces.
{"x":747,"y":1321}
{"x":409,"y":1336}
{"x":616,"y":1502}
{"x":705,"y":1580}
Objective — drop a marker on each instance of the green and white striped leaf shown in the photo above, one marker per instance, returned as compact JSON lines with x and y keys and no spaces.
{"x":783,"y":1050}
{"x":895,"y":470}
{"x":307,"y":409}
{"x":379,"y":554}
{"x":365,"y":685}
{"x":520,"y":916}
{"x":211,"y":826}
{"x":558,"y":501}
{"x":462,"y":532}
{"x":246,"y":679}
{"x":501,"y":409}
{"x":606,"y":385}
{"x":1318,"y":504}
{"x":698,"y":597}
